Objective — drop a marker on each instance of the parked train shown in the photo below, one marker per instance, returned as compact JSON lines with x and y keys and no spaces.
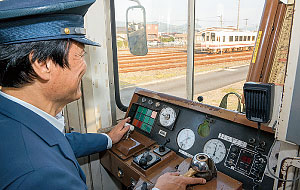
{"x":218,"y":40}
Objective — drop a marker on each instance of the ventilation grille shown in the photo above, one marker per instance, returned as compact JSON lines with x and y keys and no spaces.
{"x":258,"y":101}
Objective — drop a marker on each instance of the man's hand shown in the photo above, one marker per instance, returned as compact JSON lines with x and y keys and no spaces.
{"x":118,"y":131}
{"x":172,"y":181}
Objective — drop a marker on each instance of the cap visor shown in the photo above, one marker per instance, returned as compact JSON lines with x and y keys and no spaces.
{"x":86,"y":41}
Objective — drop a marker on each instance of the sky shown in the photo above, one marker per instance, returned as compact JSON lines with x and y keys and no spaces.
{"x":208,"y":12}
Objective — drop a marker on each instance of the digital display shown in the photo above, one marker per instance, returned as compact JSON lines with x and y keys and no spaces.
{"x":144,"y":119}
{"x":246,"y":159}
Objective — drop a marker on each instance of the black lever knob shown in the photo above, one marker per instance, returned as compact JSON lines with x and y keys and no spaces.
{"x":145,"y":158}
{"x":143,"y":162}
{"x":200,"y":98}
{"x":162,"y":148}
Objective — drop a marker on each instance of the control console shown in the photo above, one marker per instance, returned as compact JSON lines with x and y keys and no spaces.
{"x":169,"y":130}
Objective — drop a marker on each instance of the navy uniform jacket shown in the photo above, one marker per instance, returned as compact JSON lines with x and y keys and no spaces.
{"x":36,"y":155}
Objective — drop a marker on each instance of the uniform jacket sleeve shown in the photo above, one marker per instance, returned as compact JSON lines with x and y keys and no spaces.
{"x":86,"y":144}
{"x":49,"y":178}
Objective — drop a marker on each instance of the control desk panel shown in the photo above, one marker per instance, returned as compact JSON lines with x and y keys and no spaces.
{"x":167,"y":126}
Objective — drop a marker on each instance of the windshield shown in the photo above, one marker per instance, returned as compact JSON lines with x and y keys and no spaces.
{"x":225,"y":34}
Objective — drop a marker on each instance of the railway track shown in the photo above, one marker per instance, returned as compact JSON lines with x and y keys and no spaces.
{"x":170,"y":58}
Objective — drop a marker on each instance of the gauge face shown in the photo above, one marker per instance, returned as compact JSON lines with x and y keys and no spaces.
{"x":185,"y":139}
{"x":167,"y":116}
{"x":215,"y":149}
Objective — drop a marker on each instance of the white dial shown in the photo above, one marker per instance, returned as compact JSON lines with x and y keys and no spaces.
{"x":215,"y":149}
{"x":167,"y":116}
{"x":185,"y":139}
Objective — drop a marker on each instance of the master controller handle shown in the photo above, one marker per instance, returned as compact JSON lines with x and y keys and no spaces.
{"x":202,"y":166}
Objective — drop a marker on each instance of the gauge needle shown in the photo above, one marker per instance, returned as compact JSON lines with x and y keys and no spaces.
{"x":186,"y":139}
{"x":215,"y":150}
{"x":181,"y":144}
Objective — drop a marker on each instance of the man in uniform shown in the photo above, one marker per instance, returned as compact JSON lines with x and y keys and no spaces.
{"x":41,"y":67}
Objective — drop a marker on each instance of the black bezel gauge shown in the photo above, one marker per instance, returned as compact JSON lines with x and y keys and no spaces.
{"x":167,"y":117}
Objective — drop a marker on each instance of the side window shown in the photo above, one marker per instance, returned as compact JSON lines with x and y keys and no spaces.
{"x":228,"y":62}
{"x":213,"y":37}
{"x":203,"y":37}
{"x":163,"y":69}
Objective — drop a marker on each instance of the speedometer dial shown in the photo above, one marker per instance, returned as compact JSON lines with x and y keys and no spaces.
{"x":185,"y":139}
{"x":215,"y":149}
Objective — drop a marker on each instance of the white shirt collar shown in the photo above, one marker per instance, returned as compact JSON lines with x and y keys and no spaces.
{"x":57,"y":121}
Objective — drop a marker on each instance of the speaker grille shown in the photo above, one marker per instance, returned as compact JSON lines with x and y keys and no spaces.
{"x":258,"y":101}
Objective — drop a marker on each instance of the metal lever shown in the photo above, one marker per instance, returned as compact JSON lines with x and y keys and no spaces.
{"x":130,"y":129}
{"x":162,"y":148}
{"x":198,"y":164}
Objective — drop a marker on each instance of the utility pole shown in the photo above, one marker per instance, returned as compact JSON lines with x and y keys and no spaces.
{"x":238,"y":16}
{"x":221,"y":20}
{"x":246,"y":23}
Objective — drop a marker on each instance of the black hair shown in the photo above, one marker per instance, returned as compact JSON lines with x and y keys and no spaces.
{"x":15,"y":63}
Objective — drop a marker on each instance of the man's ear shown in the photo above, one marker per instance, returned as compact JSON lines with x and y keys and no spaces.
{"x":42,"y":69}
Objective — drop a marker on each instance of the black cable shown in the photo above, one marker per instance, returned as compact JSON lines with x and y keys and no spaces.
{"x":273,"y":175}
{"x":119,"y":103}
{"x":258,"y":135}
{"x":258,"y":131}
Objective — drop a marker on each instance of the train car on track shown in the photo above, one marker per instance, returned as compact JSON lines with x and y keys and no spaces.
{"x":218,"y":40}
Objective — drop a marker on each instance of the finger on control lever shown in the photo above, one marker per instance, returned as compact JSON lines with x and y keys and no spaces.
{"x":130,"y":129}
{"x":198,"y":164}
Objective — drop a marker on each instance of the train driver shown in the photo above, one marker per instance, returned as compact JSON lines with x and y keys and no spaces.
{"x":41,"y":66}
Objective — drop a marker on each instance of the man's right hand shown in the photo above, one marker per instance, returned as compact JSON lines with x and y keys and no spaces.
{"x":173,"y":181}
{"x":118,"y":131}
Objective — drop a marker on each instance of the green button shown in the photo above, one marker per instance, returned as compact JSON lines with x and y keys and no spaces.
{"x":146,"y":119}
{"x":145,"y":111}
{"x":149,"y":112}
{"x":148,"y":129}
{"x":142,"y":117}
{"x":151,"y":121}
{"x":144,"y":126}
{"x":137,"y":115}
{"x":140,"y":109}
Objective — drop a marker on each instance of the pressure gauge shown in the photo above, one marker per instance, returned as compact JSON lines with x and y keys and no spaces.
{"x":215,"y":149}
{"x":167,"y":117}
{"x":185,"y":139}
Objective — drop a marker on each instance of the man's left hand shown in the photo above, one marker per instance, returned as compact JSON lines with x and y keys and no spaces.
{"x":118,"y":131}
